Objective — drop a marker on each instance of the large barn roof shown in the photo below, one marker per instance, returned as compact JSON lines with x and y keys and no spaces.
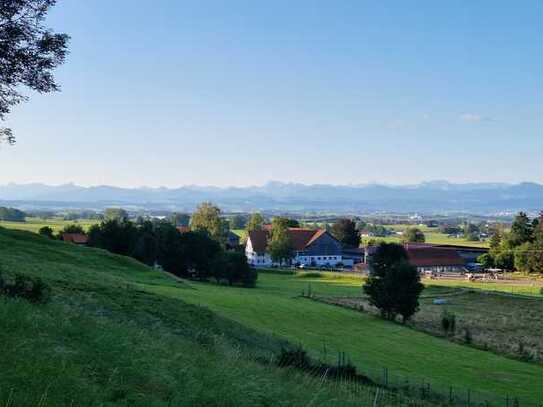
{"x":431,"y":256}
{"x":301,"y":238}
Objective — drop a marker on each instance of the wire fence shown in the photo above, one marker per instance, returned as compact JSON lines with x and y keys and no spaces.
{"x":382,"y":387}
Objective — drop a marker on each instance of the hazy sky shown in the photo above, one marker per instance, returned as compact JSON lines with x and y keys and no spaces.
{"x":242,"y":92}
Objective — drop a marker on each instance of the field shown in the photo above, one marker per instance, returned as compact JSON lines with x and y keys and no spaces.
{"x":34,"y":224}
{"x":432,"y":236}
{"x":117,"y":332}
{"x":372,"y":344}
{"x":503,"y":323}
{"x":105,"y":339}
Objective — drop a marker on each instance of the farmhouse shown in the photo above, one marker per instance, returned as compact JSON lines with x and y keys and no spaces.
{"x":311,"y":248}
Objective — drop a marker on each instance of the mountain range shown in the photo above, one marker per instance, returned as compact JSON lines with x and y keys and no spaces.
{"x":427,"y":197}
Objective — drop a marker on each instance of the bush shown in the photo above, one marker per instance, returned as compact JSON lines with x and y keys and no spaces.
{"x":233,"y":267}
{"x":310,"y":275}
{"x":467,"y":336}
{"x":46,"y":231}
{"x":31,"y":289}
{"x":448,"y":323}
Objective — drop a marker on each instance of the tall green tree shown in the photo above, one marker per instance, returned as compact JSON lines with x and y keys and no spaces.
{"x":118,"y":214}
{"x":413,"y":235}
{"x":237,"y":222}
{"x":207,"y":218}
{"x":47,"y":232}
{"x":256,"y":221}
{"x":29,"y":52}
{"x":12,"y":214}
{"x":521,"y":231}
{"x":345,"y":231}
{"x":280,"y":244}
{"x":393,"y":285}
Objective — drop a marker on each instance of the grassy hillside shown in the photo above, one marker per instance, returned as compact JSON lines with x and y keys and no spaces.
{"x":107,"y":338}
{"x":371,"y":343}
{"x":119,"y":333}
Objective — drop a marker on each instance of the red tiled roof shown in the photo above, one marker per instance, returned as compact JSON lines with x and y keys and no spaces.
{"x":259,"y":240}
{"x":77,"y":238}
{"x":183,"y":229}
{"x":301,"y":238}
{"x":428,"y":256}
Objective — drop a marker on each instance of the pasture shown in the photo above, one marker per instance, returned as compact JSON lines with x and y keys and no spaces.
{"x":129,"y":334}
{"x":57,"y":224}
{"x":276,"y":308}
{"x":106,"y":339}
{"x":433,"y":235}
{"x":494,"y":320}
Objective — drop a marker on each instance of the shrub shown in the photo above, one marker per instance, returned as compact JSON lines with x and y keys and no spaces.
{"x":31,"y":289}
{"x":448,"y":323}
{"x":467,"y":336}
{"x":310,"y":275}
{"x":47,"y":232}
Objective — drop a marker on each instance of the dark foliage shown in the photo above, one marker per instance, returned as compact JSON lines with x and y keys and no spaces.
{"x":345,"y":231}
{"x":146,"y":248}
{"x":413,"y":235}
{"x":118,"y":237}
{"x":233,"y":268}
{"x":12,"y":214}
{"x":293,"y":223}
{"x":73,"y":228}
{"x":29,"y":52}
{"x":31,"y":289}
{"x":47,"y":232}
{"x":386,"y":255}
{"x":448,"y":323}
{"x":394,"y":285}
{"x":192,"y":255}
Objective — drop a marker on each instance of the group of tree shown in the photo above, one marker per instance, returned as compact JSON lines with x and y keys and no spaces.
{"x":377,"y":230}
{"x":29,"y":52}
{"x":255,"y":222}
{"x":280,"y":245}
{"x":207,"y":218}
{"x":520,"y":248}
{"x":48,"y":232}
{"x":393,"y":285}
{"x":345,"y":230}
{"x":413,"y":235}
{"x":12,"y":214}
{"x":195,"y":254}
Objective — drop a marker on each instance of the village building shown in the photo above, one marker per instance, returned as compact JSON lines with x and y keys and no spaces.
{"x":76,"y":238}
{"x":432,"y":259}
{"x":436,"y":258}
{"x":316,"y":248}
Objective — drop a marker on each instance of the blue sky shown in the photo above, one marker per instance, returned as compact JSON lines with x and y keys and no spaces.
{"x":168,"y":93}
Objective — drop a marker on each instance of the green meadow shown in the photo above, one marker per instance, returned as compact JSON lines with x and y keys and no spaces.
{"x":35,"y":224}
{"x":119,"y":333}
{"x":277,"y":308}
